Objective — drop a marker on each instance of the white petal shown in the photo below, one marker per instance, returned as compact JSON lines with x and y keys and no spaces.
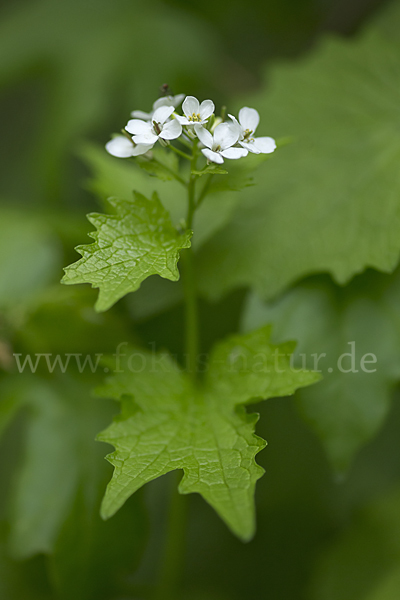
{"x":162,"y":114}
{"x":141,"y":149}
{"x":213,"y":156}
{"x":204,"y":136}
{"x":164,"y":101}
{"x":177,"y":100}
{"x":206,"y":109}
{"x":139,"y":114}
{"x":171,"y":130}
{"x":183,"y":120}
{"x":120,"y":146}
{"x":138,"y":127}
{"x":168,"y":101}
{"x":266,"y":145}
{"x":249,"y":118}
{"x":234,"y":119}
{"x":250,"y":146}
{"x":226,"y":134}
{"x":234,"y":153}
{"x":190,"y":106}
{"x":150,"y":138}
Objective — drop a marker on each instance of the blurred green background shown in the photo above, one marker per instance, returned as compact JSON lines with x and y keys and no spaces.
{"x":292,"y":251}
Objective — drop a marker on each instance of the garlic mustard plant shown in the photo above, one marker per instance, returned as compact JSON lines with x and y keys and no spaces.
{"x":181,"y":416}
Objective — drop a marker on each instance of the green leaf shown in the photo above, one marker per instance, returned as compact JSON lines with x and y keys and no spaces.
{"x":330,"y":201}
{"x":136,"y":242}
{"x":168,"y":422}
{"x":348,"y":407}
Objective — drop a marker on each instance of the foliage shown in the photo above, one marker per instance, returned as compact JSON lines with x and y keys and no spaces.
{"x":296,"y":240}
{"x":335,"y":189}
{"x":168,"y":423}
{"x":350,"y":404}
{"x":136,"y":242}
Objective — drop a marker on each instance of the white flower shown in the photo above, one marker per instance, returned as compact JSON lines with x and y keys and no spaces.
{"x":145,"y":132}
{"x":248,"y":123}
{"x":196,"y":112}
{"x":164,"y":101}
{"x":121,"y":147}
{"x":218,"y":146}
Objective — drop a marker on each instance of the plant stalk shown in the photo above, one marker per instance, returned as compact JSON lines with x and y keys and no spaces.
{"x":189,"y":282}
{"x":174,"y":550}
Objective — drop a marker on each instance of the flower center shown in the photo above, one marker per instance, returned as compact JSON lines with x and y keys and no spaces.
{"x":217,"y":148}
{"x":246,"y":135}
{"x":195,"y":118}
{"x":157,"y":128}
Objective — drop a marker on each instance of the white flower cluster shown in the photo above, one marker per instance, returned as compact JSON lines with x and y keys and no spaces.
{"x":217,"y":140}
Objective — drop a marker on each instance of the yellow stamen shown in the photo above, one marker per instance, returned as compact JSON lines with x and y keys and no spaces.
{"x":195,"y":118}
{"x":247,"y":133}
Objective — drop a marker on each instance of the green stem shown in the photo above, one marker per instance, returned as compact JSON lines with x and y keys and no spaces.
{"x":169,"y":583}
{"x":204,"y":191}
{"x":186,"y":143}
{"x":174,"y":551}
{"x":189,"y":281}
{"x":191,"y":317}
{"x":183,"y":154}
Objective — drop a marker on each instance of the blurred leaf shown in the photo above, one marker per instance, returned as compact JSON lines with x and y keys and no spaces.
{"x":60,"y":433}
{"x":87,"y":53}
{"x":10,"y":403}
{"x":92,"y":557}
{"x":347,"y":408}
{"x":364,"y":559}
{"x":155,"y":296}
{"x":167,"y":423}
{"x":63,"y":321}
{"x":389,"y":588}
{"x":57,"y":492}
{"x":330,"y":201}
{"x":21,"y":580}
{"x":29,"y":257}
{"x":47,"y":479}
{"x":86,"y":562}
{"x":131,"y":245}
